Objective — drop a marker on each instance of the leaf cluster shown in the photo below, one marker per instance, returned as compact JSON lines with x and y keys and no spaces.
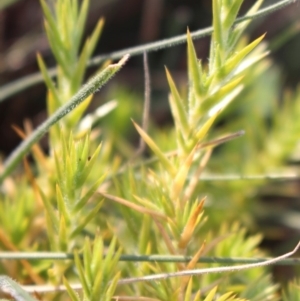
{"x":89,"y":200}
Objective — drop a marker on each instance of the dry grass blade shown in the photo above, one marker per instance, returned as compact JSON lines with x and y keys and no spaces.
{"x":132,"y":205}
{"x":221,"y":140}
{"x":195,"y":272}
{"x":198,"y":272}
{"x":188,"y":230}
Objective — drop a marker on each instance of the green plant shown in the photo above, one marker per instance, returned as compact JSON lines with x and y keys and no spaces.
{"x":87,"y":200}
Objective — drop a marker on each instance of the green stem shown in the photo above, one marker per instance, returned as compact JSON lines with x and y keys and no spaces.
{"x":146,"y":258}
{"x":30,"y":80}
{"x":91,"y":87}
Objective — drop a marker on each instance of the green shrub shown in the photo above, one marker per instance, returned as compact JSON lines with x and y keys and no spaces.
{"x":93,"y":205}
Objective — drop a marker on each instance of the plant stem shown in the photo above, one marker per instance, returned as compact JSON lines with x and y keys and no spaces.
{"x":33,"y":79}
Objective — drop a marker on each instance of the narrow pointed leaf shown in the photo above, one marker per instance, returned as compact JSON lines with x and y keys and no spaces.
{"x":61,"y":205}
{"x":59,"y":53}
{"x":190,"y":226}
{"x":214,"y":99}
{"x":81,"y":274}
{"x":211,"y":294}
{"x":86,"y":219}
{"x":38,"y":154}
{"x":91,"y":87}
{"x":201,"y":133}
{"x":188,"y":291}
{"x":161,"y":156}
{"x":110,"y":255}
{"x":79,"y":111}
{"x":226,"y":297}
{"x":97,"y":256}
{"x":93,"y":40}
{"x":194,"y":70}
{"x":181,"y":176}
{"x":232,"y":14}
{"x":58,"y":167}
{"x":178,"y":109}
{"x":217,"y":24}
{"x":63,"y":234}
{"x":196,"y":257}
{"x":74,"y":9}
{"x":82,"y":155}
{"x":132,"y":205}
{"x":240,"y":28}
{"x":146,"y":203}
{"x":87,"y":195}
{"x":112,"y":287}
{"x":225,"y":101}
{"x":144,"y":237}
{"x":72,"y":294}
{"x":88,"y":167}
{"x":48,"y":81}
{"x":81,"y":22}
{"x":69,"y":183}
{"x":80,"y":68}
{"x":87,"y":259}
{"x":50,"y":19}
{"x":235,"y":60}
{"x":99,"y":285}
{"x":197,"y":296}
{"x":166,"y":237}
{"x":248,"y":62}
{"x":50,"y":211}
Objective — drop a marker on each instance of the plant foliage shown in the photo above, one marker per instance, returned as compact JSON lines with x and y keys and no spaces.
{"x":87,"y":199}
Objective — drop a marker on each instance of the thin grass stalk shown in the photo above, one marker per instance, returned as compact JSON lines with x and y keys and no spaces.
{"x":33,"y":79}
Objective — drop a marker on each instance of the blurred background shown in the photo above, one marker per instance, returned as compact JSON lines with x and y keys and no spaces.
{"x":127,"y":23}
